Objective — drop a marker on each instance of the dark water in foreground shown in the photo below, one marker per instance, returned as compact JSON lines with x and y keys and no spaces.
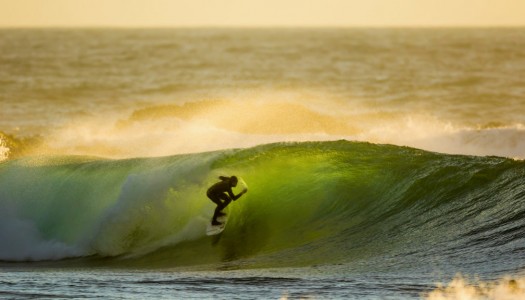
{"x":308,"y":283}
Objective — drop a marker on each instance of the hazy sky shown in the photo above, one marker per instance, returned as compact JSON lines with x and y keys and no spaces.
{"x":161,"y":13}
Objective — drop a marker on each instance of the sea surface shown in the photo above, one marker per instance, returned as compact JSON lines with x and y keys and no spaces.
{"x":380,"y":163}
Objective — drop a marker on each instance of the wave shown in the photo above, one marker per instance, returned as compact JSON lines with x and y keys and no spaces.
{"x":309,"y":203}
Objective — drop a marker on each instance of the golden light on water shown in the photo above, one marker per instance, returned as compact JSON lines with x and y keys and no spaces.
{"x":193,"y":127}
{"x":248,"y":117}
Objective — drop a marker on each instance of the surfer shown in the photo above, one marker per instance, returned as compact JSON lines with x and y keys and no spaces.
{"x":222,"y":190}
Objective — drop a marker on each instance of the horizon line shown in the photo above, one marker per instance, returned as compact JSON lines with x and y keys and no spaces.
{"x":428,"y":26}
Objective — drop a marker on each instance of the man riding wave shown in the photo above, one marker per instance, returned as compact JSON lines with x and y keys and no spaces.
{"x":221,"y":194}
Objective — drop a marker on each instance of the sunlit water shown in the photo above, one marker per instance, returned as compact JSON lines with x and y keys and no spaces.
{"x":98,"y":91}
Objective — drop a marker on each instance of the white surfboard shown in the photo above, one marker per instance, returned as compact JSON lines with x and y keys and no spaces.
{"x":216,"y":229}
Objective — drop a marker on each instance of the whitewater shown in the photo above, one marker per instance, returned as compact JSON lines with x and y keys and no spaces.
{"x":381,"y":163}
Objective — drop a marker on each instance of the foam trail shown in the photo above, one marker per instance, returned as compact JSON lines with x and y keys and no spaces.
{"x":461,"y":288}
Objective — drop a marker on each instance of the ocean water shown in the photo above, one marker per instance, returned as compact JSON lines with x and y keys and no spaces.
{"x":381,"y":163}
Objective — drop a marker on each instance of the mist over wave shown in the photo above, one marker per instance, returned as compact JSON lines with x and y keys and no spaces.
{"x":221,"y":124}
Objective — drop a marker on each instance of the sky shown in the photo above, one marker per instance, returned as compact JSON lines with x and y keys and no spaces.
{"x":260,"y":13}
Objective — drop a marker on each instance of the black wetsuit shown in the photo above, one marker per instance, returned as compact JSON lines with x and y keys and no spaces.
{"x":222,"y":190}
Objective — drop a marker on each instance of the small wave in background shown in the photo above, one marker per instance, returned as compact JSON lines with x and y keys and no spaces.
{"x":129,"y":93}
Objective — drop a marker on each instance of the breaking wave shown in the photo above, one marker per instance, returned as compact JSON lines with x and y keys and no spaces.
{"x":368,"y":205}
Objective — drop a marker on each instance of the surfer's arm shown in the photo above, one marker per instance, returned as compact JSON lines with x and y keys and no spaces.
{"x":235,"y":197}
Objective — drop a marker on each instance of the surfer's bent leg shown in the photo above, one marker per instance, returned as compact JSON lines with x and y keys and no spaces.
{"x":216,"y":198}
{"x":226,"y":202}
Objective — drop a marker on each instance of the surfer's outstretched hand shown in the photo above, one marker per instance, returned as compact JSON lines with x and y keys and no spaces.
{"x":244,"y":191}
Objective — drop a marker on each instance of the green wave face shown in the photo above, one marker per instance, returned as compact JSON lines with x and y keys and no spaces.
{"x":308,"y":203}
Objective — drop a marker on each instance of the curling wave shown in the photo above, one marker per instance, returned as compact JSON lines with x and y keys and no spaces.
{"x":309,"y":203}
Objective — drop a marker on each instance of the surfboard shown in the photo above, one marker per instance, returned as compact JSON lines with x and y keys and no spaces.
{"x":216,"y":229}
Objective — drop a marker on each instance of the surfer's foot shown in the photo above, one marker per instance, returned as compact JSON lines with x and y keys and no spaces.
{"x":215,"y":223}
